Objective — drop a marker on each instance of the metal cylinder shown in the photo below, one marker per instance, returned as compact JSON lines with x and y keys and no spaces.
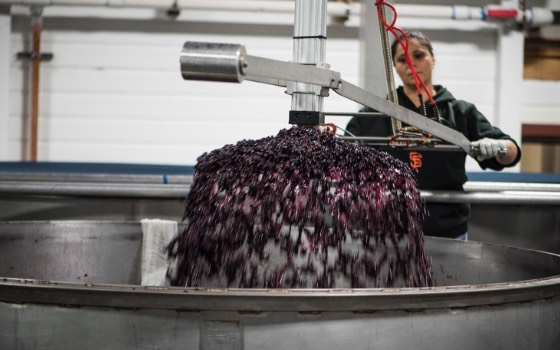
{"x":68,"y":282}
{"x":212,"y":61}
{"x":310,"y":35}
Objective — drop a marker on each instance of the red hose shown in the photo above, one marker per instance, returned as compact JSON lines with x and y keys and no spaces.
{"x":394,"y":29}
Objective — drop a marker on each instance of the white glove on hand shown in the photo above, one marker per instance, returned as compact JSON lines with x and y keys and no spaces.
{"x":489,"y":148}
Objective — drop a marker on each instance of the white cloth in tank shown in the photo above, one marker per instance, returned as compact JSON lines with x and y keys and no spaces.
{"x":156,"y":234}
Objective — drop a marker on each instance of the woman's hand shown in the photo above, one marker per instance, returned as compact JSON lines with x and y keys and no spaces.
{"x":504,"y":151}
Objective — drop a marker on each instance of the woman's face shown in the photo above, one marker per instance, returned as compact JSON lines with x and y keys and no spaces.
{"x":422,"y":60}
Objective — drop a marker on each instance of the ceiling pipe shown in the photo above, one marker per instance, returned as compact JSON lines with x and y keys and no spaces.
{"x":535,"y":16}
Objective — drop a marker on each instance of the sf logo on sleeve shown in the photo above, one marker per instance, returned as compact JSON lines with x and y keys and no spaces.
{"x":415,"y":160}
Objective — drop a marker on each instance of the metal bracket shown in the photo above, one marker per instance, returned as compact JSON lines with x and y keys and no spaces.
{"x":30,"y":56}
{"x":307,"y":118}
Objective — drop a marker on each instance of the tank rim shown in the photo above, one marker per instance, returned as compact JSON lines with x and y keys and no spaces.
{"x":14,"y":290}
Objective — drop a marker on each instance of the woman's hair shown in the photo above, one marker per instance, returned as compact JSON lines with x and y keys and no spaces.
{"x":421,"y":37}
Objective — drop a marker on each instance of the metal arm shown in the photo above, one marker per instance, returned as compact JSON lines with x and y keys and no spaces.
{"x":405,"y":115}
{"x":230,"y":63}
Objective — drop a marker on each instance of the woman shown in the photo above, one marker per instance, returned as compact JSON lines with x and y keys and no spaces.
{"x":439,"y":170}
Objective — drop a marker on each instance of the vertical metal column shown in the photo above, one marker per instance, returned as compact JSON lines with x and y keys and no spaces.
{"x":388,"y":60}
{"x":375,"y":77}
{"x":372,"y":70}
{"x":509,"y":79}
{"x":310,"y":35}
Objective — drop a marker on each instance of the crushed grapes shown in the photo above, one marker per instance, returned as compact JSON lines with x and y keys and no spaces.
{"x":301,"y":209}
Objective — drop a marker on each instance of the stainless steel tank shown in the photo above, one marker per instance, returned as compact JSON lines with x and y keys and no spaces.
{"x":75,"y":284}
{"x":518,"y":213}
{"x":521,"y":214}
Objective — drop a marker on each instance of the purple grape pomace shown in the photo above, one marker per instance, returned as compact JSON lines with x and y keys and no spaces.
{"x":301,"y":209}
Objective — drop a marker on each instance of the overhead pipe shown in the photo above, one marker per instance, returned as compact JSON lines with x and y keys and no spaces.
{"x":535,"y":16}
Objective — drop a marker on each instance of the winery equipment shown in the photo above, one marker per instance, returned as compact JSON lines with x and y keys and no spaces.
{"x":308,"y":78}
{"x":68,"y":284}
{"x":514,"y":209}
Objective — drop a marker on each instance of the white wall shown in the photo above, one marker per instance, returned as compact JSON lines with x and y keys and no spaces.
{"x":5,"y":29}
{"x":118,"y":96}
{"x":114,"y":93}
